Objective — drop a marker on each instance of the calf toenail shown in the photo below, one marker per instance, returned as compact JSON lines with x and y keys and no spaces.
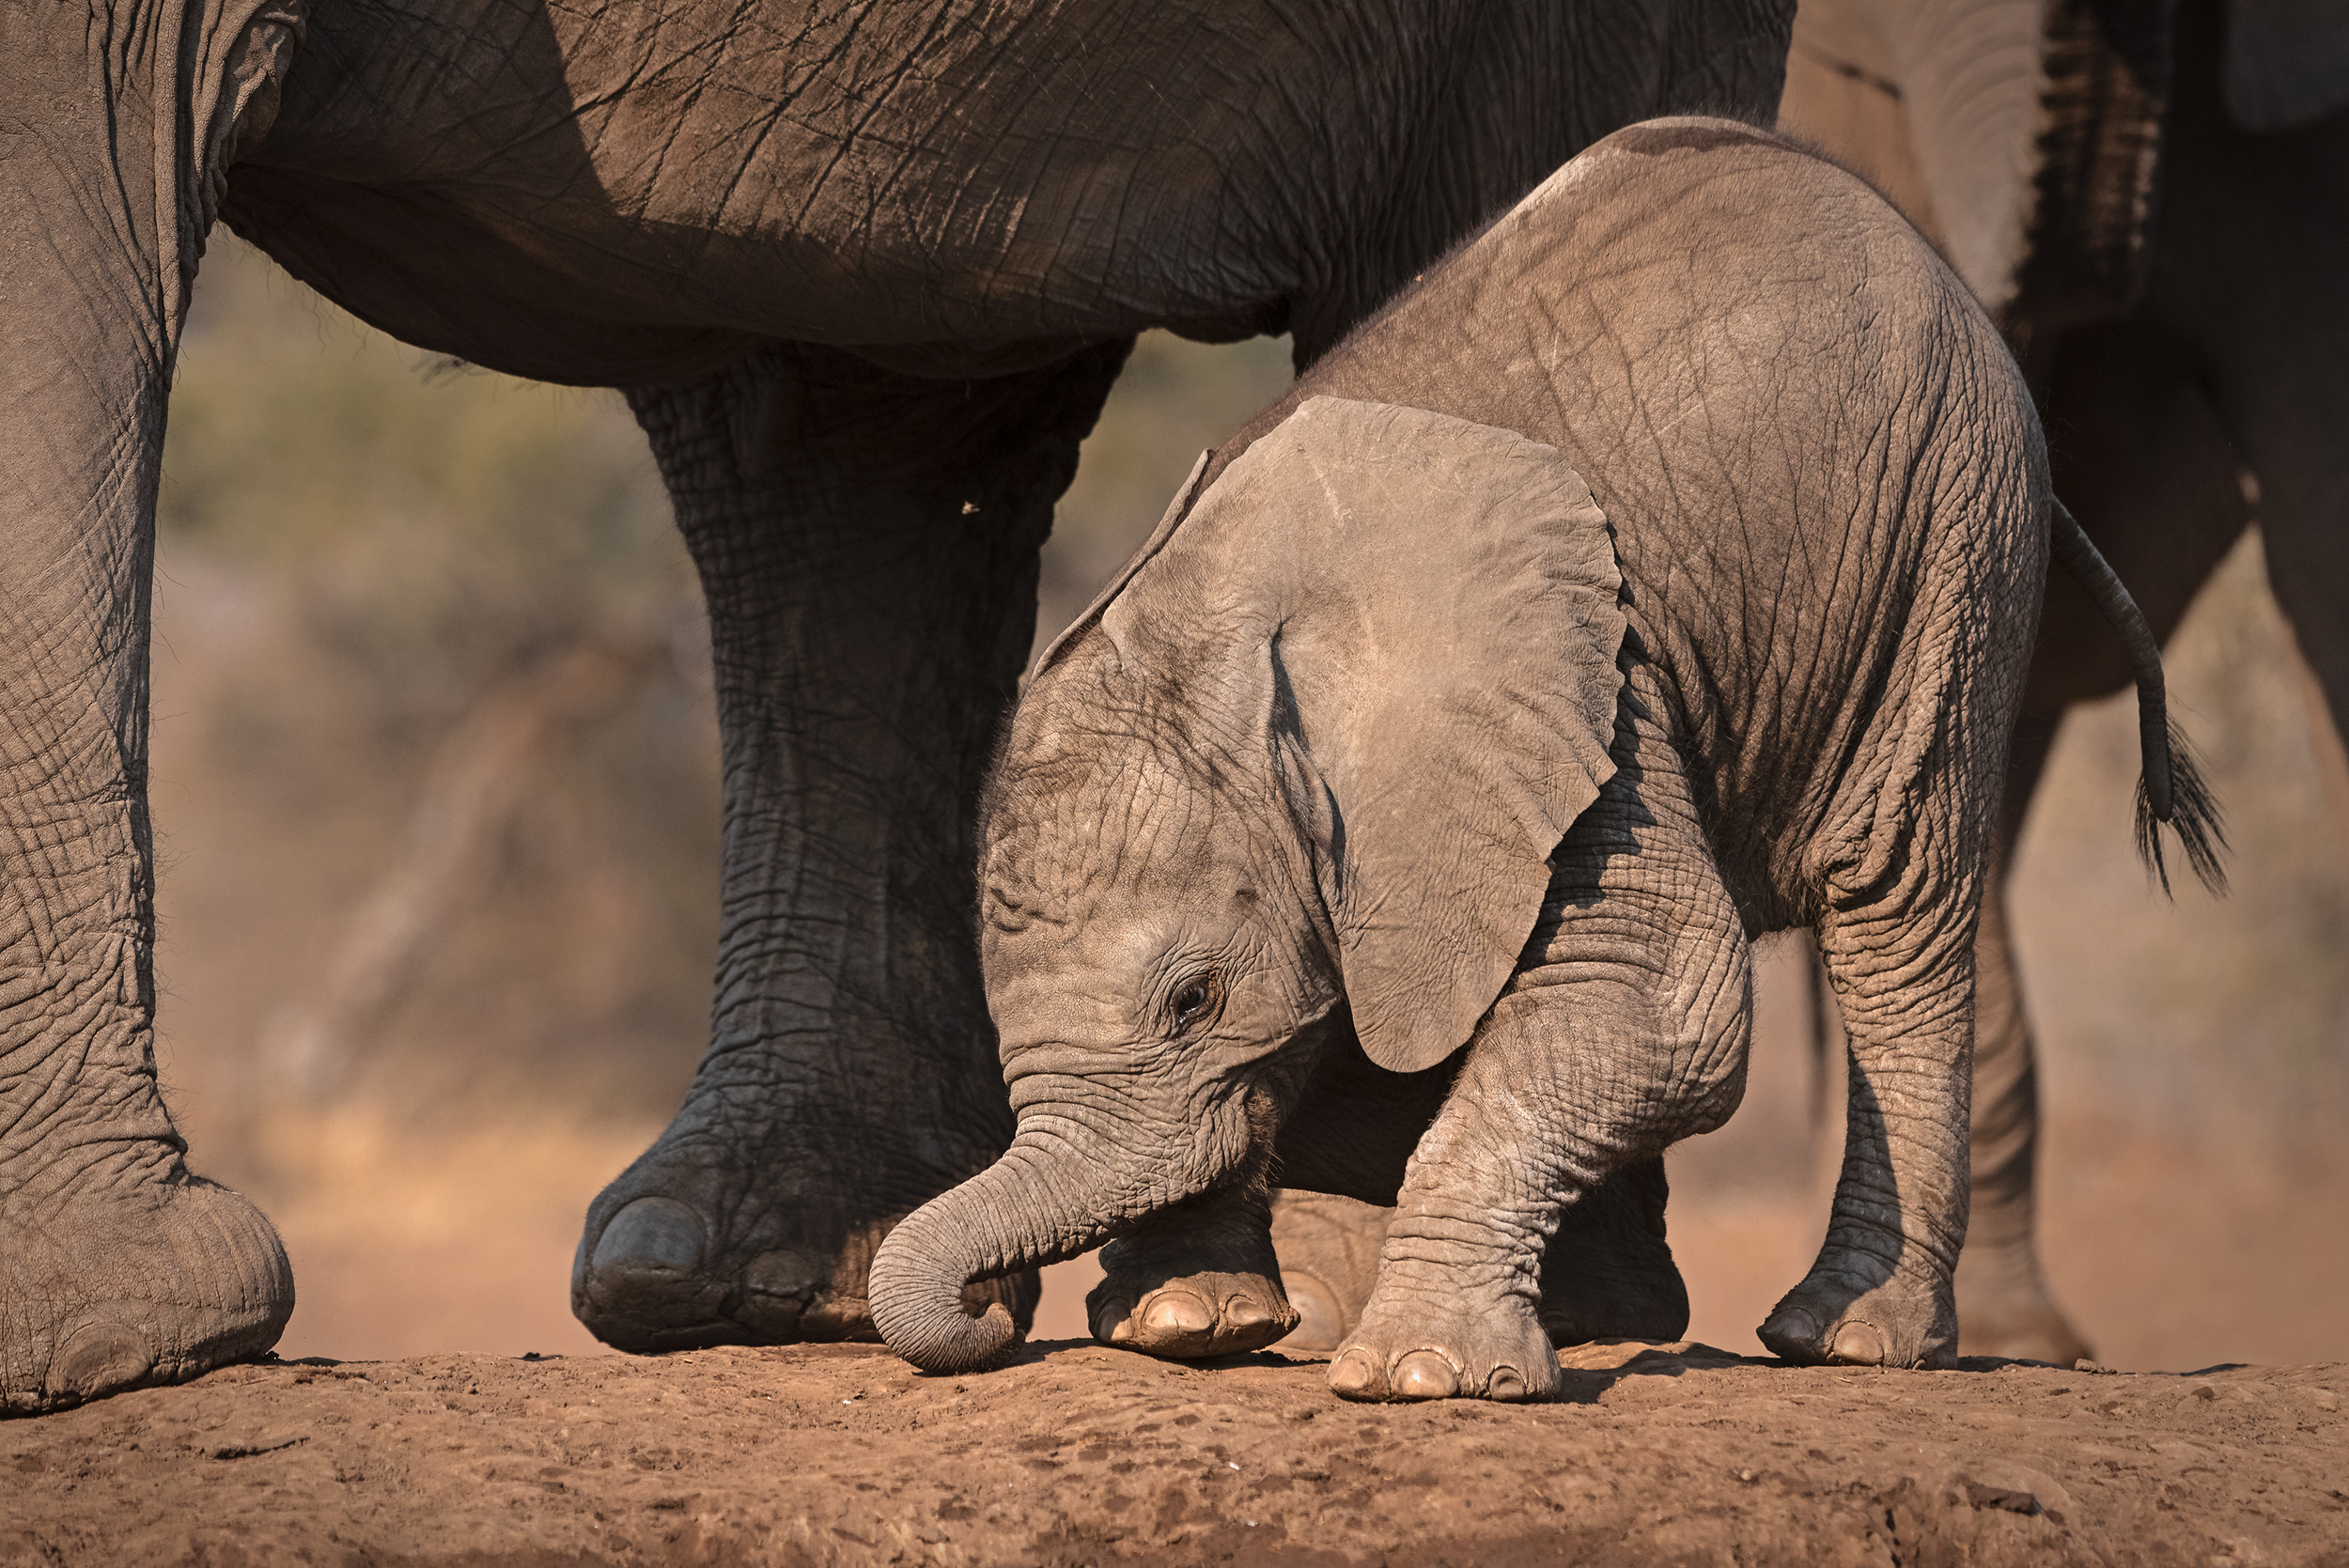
{"x":1177,"y":1312}
{"x":1426,"y":1374}
{"x":1859,"y":1344}
{"x":651,"y":1233}
{"x":1353,"y":1373}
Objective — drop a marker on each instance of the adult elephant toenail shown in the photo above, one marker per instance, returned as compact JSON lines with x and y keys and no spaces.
{"x":1859,"y":1344}
{"x":98,"y":1359}
{"x":651,"y":1234}
{"x":639,"y":1288}
{"x":1793,"y":1334}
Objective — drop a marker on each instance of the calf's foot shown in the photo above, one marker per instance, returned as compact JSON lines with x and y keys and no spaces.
{"x":1197,"y":1281}
{"x":1431,"y":1340}
{"x":1836,"y":1316}
{"x":106,"y":1287}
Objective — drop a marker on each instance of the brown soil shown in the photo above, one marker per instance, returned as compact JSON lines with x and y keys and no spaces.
{"x":1081,"y":1454}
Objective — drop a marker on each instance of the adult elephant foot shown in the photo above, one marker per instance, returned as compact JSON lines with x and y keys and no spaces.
{"x":1197,"y":1280}
{"x":867,"y":544}
{"x":1328,"y":1251}
{"x":1608,"y":1273}
{"x":2006,"y":1311}
{"x":104,"y":1289}
{"x":701,"y":1242}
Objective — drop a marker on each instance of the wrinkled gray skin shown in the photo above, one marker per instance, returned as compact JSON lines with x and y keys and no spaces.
{"x":2182,"y":325}
{"x":866,"y":274}
{"x":1329,"y":784}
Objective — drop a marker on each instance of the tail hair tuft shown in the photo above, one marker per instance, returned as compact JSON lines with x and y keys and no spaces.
{"x":2194,"y":816}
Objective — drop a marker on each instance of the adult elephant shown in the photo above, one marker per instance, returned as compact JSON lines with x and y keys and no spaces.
{"x":867,"y":273}
{"x":2154,"y":198}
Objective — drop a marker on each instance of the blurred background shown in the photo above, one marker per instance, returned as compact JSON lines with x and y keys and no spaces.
{"x":435,"y":791}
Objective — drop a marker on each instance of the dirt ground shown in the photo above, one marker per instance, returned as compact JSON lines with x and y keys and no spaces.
{"x":1082,"y":1455}
{"x":2196,"y":1188}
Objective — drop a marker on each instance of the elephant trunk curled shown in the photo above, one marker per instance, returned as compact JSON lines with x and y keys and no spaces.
{"x":1022,"y":1212}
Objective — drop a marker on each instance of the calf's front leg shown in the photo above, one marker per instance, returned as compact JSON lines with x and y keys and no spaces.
{"x":1195,"y":1281}
{"x":1626,"y":1033}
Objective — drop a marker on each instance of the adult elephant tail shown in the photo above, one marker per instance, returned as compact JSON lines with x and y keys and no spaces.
{"x":2170,"y":789}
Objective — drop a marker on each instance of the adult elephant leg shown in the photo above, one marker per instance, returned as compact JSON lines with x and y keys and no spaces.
{"x":2003,"y":1304}
{"x":2140,"y":454}
{"x":2256,"y":237}
{"x":117,"y":1267}
{"x":867,"y":542}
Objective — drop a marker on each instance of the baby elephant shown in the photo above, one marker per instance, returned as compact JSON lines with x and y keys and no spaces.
{"x":1658,"y":572}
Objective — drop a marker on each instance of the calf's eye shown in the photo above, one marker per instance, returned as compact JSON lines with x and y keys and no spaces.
{"x":1193,"y":1000}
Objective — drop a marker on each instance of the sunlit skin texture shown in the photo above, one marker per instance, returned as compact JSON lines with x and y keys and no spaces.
{"x":1823,"y":480}
{"x":866,"y":273}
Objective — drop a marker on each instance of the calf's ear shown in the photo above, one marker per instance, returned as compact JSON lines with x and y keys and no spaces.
{"x":1440,"y":602}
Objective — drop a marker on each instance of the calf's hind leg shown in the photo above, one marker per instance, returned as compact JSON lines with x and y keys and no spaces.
{"x":1882,"y":1292}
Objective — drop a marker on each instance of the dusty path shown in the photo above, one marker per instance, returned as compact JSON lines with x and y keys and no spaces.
{"x":1079,"y":1454}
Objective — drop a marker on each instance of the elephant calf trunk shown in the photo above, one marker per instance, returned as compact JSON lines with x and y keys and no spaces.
{"x":1011,"y":1216}
{"x":2169,"y":789}
{"x":918,"y":1307}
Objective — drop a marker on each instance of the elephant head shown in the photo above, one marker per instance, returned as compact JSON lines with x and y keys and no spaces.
{"x":1314,"y":748}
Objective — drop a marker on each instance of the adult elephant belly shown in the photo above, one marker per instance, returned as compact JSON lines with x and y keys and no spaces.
{"x":869,"y":289}
{"x":582,"y":196}
{"x":432,"y":273}
{"x":867,"y":274}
